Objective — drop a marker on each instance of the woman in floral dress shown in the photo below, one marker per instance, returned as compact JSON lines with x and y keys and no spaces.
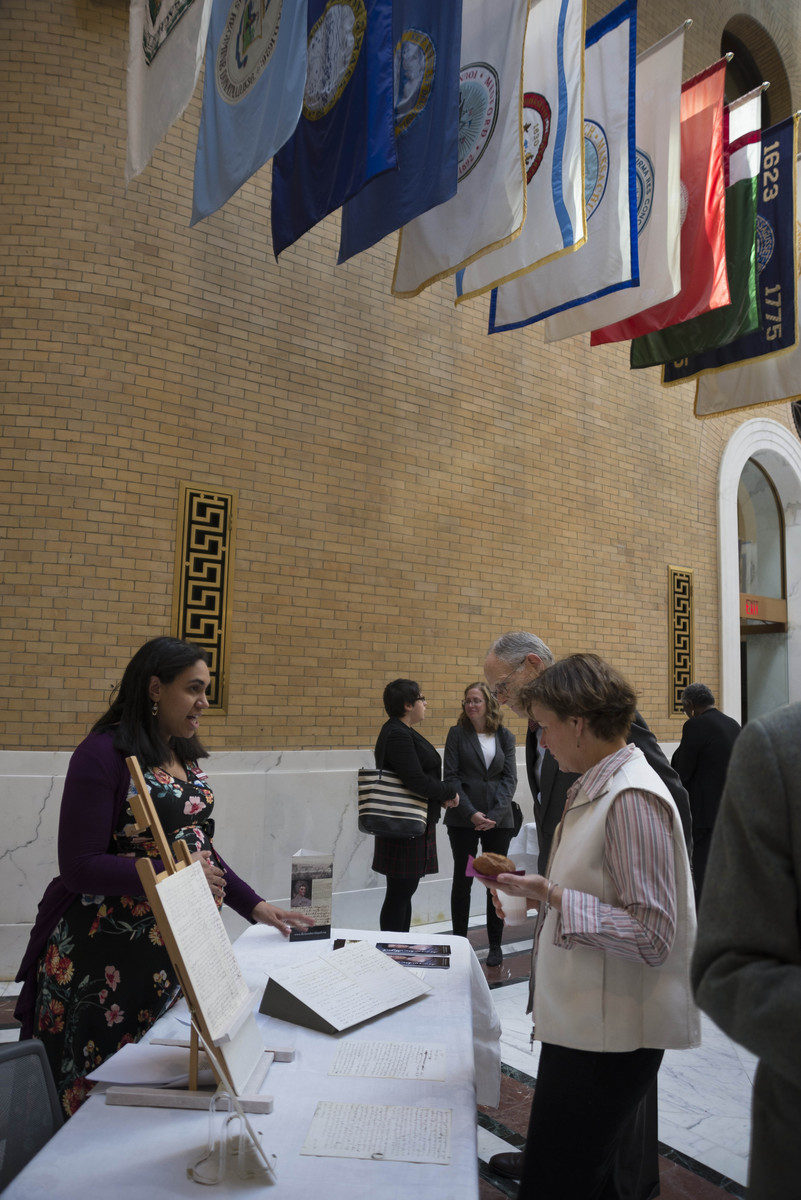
{"x":96,"y":974}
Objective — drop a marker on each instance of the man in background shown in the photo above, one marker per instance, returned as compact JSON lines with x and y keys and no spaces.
{"x":702,"y":760}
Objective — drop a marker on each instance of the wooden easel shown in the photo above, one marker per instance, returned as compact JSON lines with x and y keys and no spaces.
{"x":237,"y":1053}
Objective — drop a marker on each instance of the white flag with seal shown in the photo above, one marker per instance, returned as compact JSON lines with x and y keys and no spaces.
{"x":608,"y":259}
{"x":490,"y":202}
{"x":553,"y":83}
{"x":166,"y":43}
{"x":658,"y":126}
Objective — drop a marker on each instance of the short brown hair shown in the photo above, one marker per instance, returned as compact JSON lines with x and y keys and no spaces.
{"x":583,"y":685}
{"x":494,"y":714}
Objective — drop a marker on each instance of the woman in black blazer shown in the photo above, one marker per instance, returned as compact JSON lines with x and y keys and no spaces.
{"x":401,"y":749}
{"x":480,"y":765}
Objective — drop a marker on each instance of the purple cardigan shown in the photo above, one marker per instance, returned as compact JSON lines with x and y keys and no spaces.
{"x":94,"y":793}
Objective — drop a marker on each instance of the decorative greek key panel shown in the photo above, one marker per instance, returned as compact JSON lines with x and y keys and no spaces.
{"x":203,"y":565}
{"x":680,"y":608}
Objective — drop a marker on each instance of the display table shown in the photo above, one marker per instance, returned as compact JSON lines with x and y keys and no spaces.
{"x":127,"y":1153}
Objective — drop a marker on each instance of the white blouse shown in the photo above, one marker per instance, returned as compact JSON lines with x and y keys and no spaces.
{"x":487,"y":741}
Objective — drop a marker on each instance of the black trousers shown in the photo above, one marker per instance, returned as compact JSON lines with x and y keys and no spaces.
{"x":584,"y":1104}
{"x":702,"y":840}
{"x":396,"y":911}
{"x":465,"y":842}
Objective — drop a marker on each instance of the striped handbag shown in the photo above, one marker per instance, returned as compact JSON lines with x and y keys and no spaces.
{"x":386,"y":806}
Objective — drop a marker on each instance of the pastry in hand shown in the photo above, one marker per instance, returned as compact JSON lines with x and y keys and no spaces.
{"x":493,"y":864}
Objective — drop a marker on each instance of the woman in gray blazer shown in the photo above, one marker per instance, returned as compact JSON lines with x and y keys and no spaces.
{"x":480,"y":766}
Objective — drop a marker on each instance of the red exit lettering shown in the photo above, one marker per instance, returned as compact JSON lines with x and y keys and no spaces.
{"x":752,"y":608}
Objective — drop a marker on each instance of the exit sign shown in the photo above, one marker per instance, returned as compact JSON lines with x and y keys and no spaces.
{"x":769,"y":611}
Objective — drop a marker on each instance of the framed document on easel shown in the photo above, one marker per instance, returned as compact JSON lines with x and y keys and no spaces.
{"x":219,"y":1000}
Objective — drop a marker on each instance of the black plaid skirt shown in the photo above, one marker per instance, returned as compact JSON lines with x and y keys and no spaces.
{"x":407,"y":858}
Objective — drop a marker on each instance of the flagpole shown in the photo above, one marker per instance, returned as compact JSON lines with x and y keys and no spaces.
{"x":665,"y":40}
{"x":762,"y":87}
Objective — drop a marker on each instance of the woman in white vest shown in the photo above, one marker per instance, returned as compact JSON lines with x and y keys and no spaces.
{"x":614,"y":936}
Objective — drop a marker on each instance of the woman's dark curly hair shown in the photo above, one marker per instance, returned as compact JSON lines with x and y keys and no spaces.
{"x":129,"y":715}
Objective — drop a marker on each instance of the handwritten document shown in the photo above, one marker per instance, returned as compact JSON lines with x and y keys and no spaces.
{"x":390,"y":1132}
{"x":350,"y":985}
{"x":390,"y":1060}
{"x":207,"y":954}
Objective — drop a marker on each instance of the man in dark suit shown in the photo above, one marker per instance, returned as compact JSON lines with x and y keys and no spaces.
{"x":702,"y":760}
{"x":513,"y":660}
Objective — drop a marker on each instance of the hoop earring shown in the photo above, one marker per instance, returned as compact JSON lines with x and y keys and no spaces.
{"x":155,"y":709}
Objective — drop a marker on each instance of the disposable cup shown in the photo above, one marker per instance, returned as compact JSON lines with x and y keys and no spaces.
{"x":515,"y":908}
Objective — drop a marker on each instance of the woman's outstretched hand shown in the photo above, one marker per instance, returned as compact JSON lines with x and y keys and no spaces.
{"x":280,"y":918}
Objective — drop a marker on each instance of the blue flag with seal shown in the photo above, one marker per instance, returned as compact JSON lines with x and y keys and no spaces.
{"x":346,"y":132}
{"x":427,"y":36}
{"x":252,"y":93}
{"x":776,"y":260}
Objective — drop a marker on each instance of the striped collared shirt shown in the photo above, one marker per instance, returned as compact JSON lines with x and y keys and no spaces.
{"x":639,"y":857}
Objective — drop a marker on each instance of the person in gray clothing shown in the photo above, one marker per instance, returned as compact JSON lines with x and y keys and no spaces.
{"x":746,"y":969}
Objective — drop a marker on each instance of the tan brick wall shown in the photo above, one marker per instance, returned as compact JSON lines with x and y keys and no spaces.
{"x":407,"y":486}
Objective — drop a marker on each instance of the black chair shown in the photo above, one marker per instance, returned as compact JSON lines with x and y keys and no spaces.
{"x":29,"y":1109}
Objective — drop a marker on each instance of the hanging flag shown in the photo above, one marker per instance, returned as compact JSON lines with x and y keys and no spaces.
{"x":490,"y":202}
{"x":658,"y":154}
{"x":252,"y":93}
{"x":553,"y":85}
{"x":704,"y":283}
{"x":771,"y":379}
{"x":165,"y":52}
{"x":776,"y":260}
{"x":427,"y":37}
{"x":742,"y":138}
{"x":608,"y":260}
{"x":346,"y":133}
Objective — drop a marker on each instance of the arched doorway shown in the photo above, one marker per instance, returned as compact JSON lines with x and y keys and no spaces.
{"x":776,"y":454}
{"x":763,"y":593}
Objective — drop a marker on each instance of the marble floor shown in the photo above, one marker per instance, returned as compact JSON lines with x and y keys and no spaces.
{"x":704,"y":1094}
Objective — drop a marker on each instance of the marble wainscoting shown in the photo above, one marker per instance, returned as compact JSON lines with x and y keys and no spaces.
{"x":268,"y":805}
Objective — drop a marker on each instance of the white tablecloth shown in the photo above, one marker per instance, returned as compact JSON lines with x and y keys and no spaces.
{"x":128,"y":1153}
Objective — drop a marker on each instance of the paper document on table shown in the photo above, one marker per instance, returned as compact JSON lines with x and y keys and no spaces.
{"x":390,"y":1060}
{"x":206,"y":952}
{"x":391,"y":1132}
{"x":343,"y":988}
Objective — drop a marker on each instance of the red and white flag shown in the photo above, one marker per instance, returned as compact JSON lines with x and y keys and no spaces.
{"x":704,"y":282}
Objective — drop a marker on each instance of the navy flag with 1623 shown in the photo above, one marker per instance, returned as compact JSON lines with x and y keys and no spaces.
{"x":346,"y":131}
{"x":776,"y":254}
